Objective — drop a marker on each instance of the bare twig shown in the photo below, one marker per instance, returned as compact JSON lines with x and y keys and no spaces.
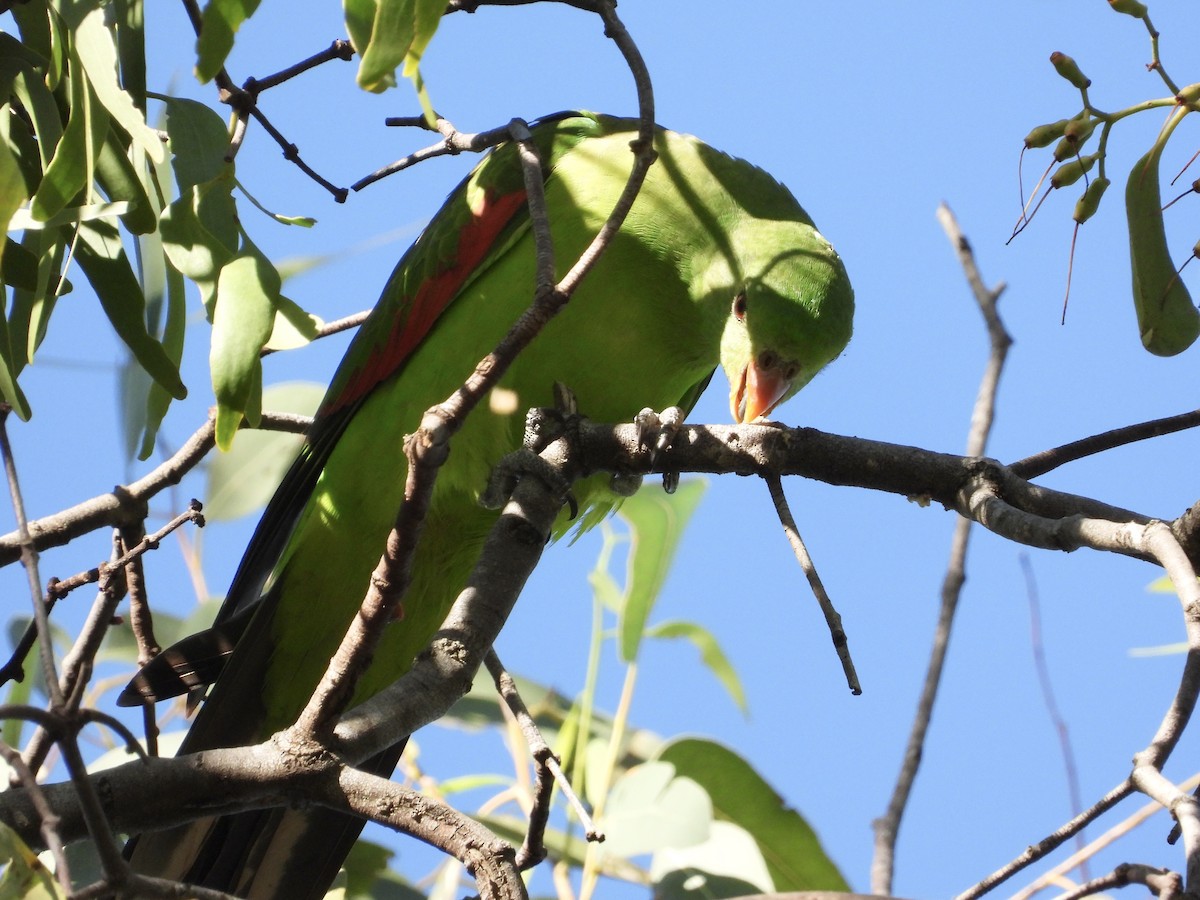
{"x":1109,"y":837}
{"x":1051,"y":842}
{"x":128,"y":503}
{"x":453,"y":142}
{"x":1048,"y":460}
{"x":29,"y":559}
{"x":833,"y":619}
{"x":887,"y":827}
{"x":549,"y":771}
{"x":1056,"y":717}
{"x":1167,"y":885}
{"x":58,"y":589}
{"x":47,"y":818}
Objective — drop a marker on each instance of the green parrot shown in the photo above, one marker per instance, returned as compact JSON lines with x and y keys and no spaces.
{"x":715,"y":264}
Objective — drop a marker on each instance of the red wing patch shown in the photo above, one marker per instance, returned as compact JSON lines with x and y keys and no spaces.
{"x":416,"y":317}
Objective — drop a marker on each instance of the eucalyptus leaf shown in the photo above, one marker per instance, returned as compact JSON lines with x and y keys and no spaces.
{"x":218,"y":24}
{"x":792,"y":851}
{"x":242,"y":323}
{"x":651,"y":808}
{"x":711,"y":654}
{"x":656,"y":522}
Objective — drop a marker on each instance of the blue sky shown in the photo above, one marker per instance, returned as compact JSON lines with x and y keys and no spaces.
{"x":872,"y":114}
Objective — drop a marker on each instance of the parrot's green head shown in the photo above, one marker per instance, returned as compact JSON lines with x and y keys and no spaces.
{"x":789,"y":314}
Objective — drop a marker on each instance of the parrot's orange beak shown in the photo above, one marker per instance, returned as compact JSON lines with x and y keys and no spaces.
{"x":759,"y":390}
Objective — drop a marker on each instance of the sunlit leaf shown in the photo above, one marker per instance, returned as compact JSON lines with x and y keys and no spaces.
{"x":96,"y":51}
{"x":293,"y":326}
{"x":242,"y":322}
{"x":391,"y":33}
{"x":24,"y":875}
{"x":219,"y":23}
{"x":656,"y":522}
{"x":103,"y":259}
{"x":650,"y":808}
{"x":791,"y":849}
{"x":730,"y":855}
{"x":72,"y":215}
{"x":711,"y":654}
{"x":70,"y":170}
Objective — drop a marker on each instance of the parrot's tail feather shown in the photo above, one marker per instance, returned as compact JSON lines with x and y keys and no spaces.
{"x":193,"y":663}
{"x":262,"y":854}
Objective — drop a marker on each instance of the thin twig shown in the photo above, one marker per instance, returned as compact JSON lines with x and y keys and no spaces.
{"x":533,"y":850}
{"x":1048,"y":460}
{"x":1167,"y":885}
{"x":1112,"y":835}
{"x":833,"y":619}
{"x":47,"y":818}
{"x":1050,"y":843}
{"x":1056,"y":717}
{"x":887,"y":827}
{"x":29,"y":559}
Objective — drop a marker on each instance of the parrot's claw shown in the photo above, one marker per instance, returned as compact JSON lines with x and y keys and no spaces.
{"x":656,"y":432}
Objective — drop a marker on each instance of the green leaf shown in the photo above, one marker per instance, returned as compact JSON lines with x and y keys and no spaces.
{"x":656,"y":522}
{"x":198,"y":140}
{"x":192,"y":247}
{"x":293,"y":326}
{"x":12,"y":192}
{"x":72,"y":215}
{"x":12,"y":195}
{"x":119,"y":180}
{"x":40,"y":105}
{"x":398,"y":33}
{"x":302,"y":221}
{"x":243,"y":480}
{"x":728,"y":861}
{"x":152,"y":400}
{"x":242,"y":322}
{"x":790,"y":847}
{"x":24,"y":874}
{"x":365,"y":876}
{"x":650,"y":808}
{"x":70,"y":170}
{"x":103,"y":260}
{"x":711,"y":654}
{"x":218,"y":24}
{"x":98,"y":54}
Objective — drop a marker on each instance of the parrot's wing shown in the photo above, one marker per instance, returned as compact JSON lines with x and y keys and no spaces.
{"x":480,"y":221}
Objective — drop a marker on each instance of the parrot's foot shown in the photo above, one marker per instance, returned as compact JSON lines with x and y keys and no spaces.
{"x":517,"y":465}
{"x":656,"y":432}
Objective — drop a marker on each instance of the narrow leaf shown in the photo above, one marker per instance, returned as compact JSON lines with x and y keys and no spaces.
{"x":218,"y":24}
{"x":98,"y":54}
{"x":711,"y":654}
{"x":656,"y":522}
{"x":242,"y":321}
{"x":69,"y":171}
{"x":103,"y":260}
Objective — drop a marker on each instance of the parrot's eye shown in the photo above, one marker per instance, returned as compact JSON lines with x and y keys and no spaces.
{"x":739,"y":307}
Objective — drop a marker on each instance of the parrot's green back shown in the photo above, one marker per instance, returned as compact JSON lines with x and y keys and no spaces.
{"x":708,"y":236}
